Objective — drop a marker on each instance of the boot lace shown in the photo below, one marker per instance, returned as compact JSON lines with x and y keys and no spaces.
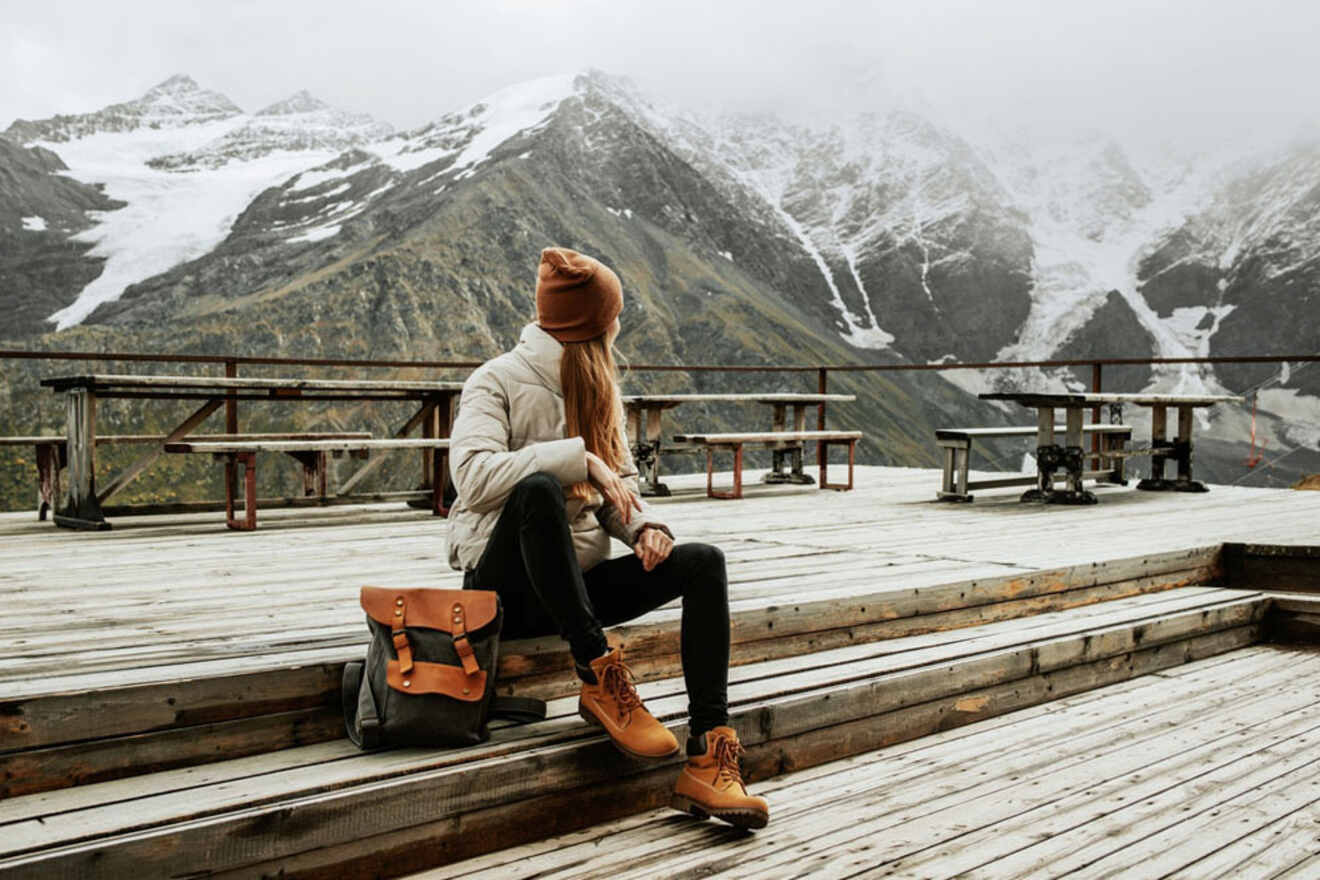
{"x":618,"y":682}
{"x":727,"y":752}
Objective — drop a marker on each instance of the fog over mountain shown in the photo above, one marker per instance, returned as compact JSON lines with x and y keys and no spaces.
{"x":1193,"y":71}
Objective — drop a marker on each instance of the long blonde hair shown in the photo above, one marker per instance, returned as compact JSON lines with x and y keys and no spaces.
{"x":588,"y":376}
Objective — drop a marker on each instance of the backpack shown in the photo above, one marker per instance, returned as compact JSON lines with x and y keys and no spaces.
{"x":429,"y":674}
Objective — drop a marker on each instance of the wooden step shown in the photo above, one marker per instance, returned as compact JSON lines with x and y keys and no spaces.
{"x":1121,"y":771}
{"x":73,"y":729}
{"x":327,"y":809}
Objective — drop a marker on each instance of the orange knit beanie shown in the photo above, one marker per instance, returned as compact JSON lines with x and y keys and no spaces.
{"x":577,"y":297}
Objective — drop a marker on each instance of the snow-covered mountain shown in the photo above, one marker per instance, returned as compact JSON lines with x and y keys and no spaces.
{"x":184,"y":162}
{"x":176,"y":102}
{"x":300,"y":122}
{"x":889,"y":234}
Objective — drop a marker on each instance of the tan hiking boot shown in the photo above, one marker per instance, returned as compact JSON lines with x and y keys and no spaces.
{"x":711,"y":784}
{"x":612,"y":703}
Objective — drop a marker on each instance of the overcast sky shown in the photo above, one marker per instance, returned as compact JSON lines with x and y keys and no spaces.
{"x":1158,"y":67}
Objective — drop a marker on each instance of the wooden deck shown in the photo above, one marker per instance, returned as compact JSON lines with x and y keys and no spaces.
{"x":169,"y":688}
{"x":163,"y":591}
{"x":1209,"y":770}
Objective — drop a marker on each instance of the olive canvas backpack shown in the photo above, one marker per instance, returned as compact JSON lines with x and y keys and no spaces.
{"x":429,"y":675}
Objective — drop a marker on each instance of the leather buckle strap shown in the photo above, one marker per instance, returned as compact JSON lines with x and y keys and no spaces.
{"x":461,"y":644}
{"x":466,"y":655}
{"x":402,"y":647}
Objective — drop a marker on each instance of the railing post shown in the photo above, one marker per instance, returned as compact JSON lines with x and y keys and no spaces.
{"x":1095,"y":415}
{"x":231,"y":405}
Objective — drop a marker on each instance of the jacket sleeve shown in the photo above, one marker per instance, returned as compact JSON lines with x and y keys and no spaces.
{"x":484,"y":469}
{"x":608,"y":515}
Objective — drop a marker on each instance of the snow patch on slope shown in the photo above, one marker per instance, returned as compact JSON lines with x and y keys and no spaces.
{"x":476,"y":132}
{"x":34,"y":224}
{"x":170,"y":217}
{"x":854,"y":332}
{"x":768,"y":174}
{"x":317,"y":176}
{"x":1092,"y":219}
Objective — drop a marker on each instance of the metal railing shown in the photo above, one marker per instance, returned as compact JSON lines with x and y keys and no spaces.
{"x":232,"y":363}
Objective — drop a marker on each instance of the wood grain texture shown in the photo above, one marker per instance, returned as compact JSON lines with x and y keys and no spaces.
{"x":805,"y":728}
{"x":1211,"y":772}
{"x":831,"y":594}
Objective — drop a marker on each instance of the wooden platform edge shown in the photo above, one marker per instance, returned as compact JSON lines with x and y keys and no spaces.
{"x":454,"y":811}
{"x":105,"y":732}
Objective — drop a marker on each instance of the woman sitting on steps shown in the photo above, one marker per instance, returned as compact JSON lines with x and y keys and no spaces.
{"x":544,"y":478}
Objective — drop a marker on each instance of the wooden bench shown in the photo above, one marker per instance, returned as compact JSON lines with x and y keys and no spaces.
{"x":1068,"y":457}
{"x":52,"y":453}
{"x":644,"y":412}
{"x":957,"y":446}
{"x":84,"y":504}
{"x":312,"y":453}
{"x":775,"y":440}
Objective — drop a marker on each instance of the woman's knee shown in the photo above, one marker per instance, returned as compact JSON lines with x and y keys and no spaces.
{"x":705,"y":564}
{"x":538,"y":489}
{"x":706,"y":556}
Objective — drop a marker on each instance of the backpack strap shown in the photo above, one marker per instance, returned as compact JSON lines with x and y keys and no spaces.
{"x":524,"y":710}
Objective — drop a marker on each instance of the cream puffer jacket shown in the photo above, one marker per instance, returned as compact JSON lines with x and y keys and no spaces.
{"x":510,"y":425}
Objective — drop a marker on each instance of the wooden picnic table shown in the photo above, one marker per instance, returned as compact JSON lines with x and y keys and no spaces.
{"x":1052,"y":457}
{"x":83,"y":510}
{"x":644,"y":412}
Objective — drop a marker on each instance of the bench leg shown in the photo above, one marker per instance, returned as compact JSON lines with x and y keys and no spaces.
{"x":430,"y":429}
{"x":825,"y":461}
{"x":440,"y":468}
{"x":649,"y":450}
{"x":794,"y":475}
{"x":314,"y":482}
{"x":248,"y":461}
{"x":81,"y":509}
{"x":1159,"y":420}
{"x":1183,"y":453}
{"x":55,"y":478}
{"x":953,"y":481}
{"x":48,"y":478}
{"x":711,"y":492}
{"x":646,"y":456}
{"x":1117,"y":464}
{"x":1069,"y":458}
{"x":1180,"y":450}
{"x":314,"y":471}
{"x":658,"y":489}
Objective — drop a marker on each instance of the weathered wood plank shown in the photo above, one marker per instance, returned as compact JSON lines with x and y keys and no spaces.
{"x":767,"y":631}
{"x":769,"y":398}
{"x":1032,"y":398}
{"x":767,"y":437}
{"x":122,"y":381}
{"x":393,"y":810}
{"x":941,"y":797}
{"x":216,"y":447}
{"x":782,"y":716}
{"x":1027,"y":743}
{"x":1023,"y":431}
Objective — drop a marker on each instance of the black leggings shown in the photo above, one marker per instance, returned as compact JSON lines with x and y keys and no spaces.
{"x":529,"y":561}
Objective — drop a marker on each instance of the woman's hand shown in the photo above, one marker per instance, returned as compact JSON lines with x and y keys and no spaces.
{"x":652,"y":547}
{"x":612,"y":487}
